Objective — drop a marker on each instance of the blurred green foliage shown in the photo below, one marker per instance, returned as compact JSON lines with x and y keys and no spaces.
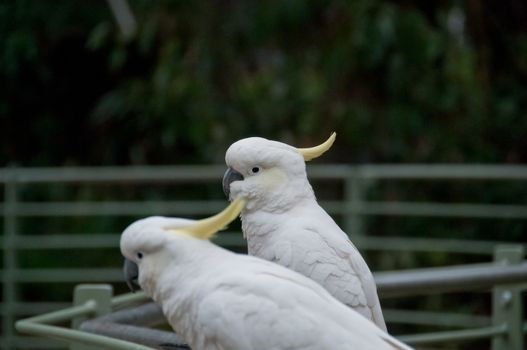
{"x":407,"y":81}
{"x":400,"y":81}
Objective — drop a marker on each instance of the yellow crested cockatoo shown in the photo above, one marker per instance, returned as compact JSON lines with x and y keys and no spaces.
{"x":283,"y":222}
{"x":219,"y":300}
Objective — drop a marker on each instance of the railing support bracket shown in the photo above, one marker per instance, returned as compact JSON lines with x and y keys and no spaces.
{"x":507,"y":303}
{"x":102,"y":295}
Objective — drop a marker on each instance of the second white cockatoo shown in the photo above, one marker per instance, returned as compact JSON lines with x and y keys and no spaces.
{"x":219,"y":300}
{"x":283,"y":222}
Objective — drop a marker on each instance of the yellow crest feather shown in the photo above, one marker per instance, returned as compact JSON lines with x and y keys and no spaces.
{"x":317,"y":151}
{"x":206,"y":228}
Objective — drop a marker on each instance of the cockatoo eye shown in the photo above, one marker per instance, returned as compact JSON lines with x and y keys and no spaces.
{"x":255,"y":170}
{"x":139,"y":255}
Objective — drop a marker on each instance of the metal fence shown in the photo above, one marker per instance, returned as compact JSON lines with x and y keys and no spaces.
{"x":127,"y":329}
{"x":353,"y":207}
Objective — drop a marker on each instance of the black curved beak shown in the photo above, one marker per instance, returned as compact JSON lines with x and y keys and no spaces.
{"x":230,"y":175}
{"x":131,"y":274}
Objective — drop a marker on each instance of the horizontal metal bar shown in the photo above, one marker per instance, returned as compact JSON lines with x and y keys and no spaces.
{"x":149,"y":314}
{"x":432,"y":280}
{"x":127,"y":325}
{"x":152,"y":338}
{"x":368,"y":242}
{"x":199,"y":207}
{"x":462,"y":246}
{"x":31,"y":308}
{"x":235,"y":239}
{"x":214,"y":172}
{"x":186,"y":173}
{"x":67,"y":241}
{"x":332,"y":171}
{"x":449,"y":279}
{"x":431,"y":318}
{"x":66,"y":275}
{"x":460,"y":210}
{"x":63,"y":315}
{"x":93,"y":240}
{"x":230,"y":239}
{"x":126,"y":300}
{"x":412,"y":244}
{"x":457,"y":335}
{"x":119,"y":208}
{"x":443,"y":171}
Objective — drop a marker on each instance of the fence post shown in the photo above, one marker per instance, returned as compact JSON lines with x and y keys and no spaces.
{"x":10,"y":259}
{"x":102,"y":295}
{"x":507,"y":306}
{"x":354,"y":195}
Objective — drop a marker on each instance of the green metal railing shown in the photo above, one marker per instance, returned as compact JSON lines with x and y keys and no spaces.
{"x":95,"y":304}
{"x":354,"y":207}
{"x":506,"y":276}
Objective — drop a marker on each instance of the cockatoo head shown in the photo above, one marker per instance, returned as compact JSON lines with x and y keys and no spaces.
{"x":149,"y":245}
{"x":269,"y":174}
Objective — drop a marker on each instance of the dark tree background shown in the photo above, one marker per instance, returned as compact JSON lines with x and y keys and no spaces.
{"x":405,"y":81}
{"x":400,"y":81}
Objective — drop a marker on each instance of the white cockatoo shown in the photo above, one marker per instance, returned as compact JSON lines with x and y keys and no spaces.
{"x":219,"y":300}
{"x":283,"y":222}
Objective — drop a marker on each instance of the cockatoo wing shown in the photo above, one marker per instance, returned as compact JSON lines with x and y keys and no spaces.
{"x":357,"y":263}
{"x":332,"y":261}
{"x":279,"y":311}
{"x":254,"y":323}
